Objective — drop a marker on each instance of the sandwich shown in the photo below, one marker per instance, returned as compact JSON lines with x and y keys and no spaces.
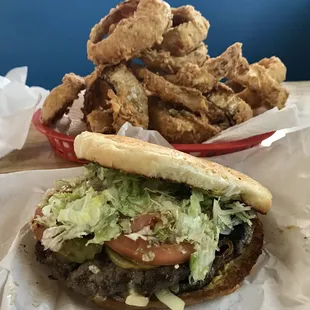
{"x":148,"y":226}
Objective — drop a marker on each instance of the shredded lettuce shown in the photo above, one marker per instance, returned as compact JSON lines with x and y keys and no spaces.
{"x":101,"y":204}
{"x":68,"y":219}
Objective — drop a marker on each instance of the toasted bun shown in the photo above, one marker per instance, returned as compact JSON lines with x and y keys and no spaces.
{"x":231,"y":279}
{"x":154,"y":161}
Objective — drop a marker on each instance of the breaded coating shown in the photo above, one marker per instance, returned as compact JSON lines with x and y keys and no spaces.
{"x":100,"y":121}
{"x":161,"y":60}
{"x":61,"y":98}
{"x":257,"y":79}
{"x":274,"y":68}
{"x":123,"y":10}
{"x":189,"y":29}
{"x":96,"y":96}
{"x":128,"y":98}
{"x":193,"y":76}
{"x":180,"y":126}
{"x":205,"y":78}
{"x":131,"y":35}
{"x":189,"y":98}
{"x":237,"y":110}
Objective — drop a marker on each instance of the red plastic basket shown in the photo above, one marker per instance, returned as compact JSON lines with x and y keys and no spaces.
{"x":63,"y":144}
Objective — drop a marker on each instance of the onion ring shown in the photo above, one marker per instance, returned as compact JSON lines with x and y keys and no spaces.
{"x":274,"y":68}
{"x":190,"y":98}
{"x":257,"y":79}
{"x":96,"y":96}
{"x":131,"y":35}
{"x":205,"y":78}
{"x":233,"y":106}
{"x":100,"y":121}
{"x":164,"y":61}
{"x":128,"y":98}
{"x":190,"y":29}
{"x":123,"y":10}
{"x":193,"y":76}
{"x":180,"y":126}
{"x":61,"y":98}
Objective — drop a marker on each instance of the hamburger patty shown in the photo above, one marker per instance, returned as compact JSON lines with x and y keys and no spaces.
{"x":101,"y":277}
{"x":112,"y":280}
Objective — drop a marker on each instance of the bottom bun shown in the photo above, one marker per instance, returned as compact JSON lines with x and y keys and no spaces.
{"x":228,"y":281}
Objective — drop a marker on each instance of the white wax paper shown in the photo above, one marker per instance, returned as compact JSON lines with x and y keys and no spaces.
{"x":17,"y":104}
{"x":271,"y":120}
{"x":279,"y":281}
{"x":150,"y":136}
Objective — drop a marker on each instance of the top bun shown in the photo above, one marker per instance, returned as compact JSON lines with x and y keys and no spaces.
{"x":155,"y":161}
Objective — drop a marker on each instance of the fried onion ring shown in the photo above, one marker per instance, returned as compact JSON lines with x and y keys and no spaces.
{"x":190,"y":98}
{"x":189,"y":29}
{"x":130,"y":35}
{"x":233,"y":106}
{"x":179,"y":126}
{"x":193,"y":76}
{"x":205,"y":78}
{"x":274,"y":68}
{"x":123,"y":10}
{"x":257,"y":79}
{"x":61,"y":98}
{"x":165,"y":62}
{"x":128,"y":98}
{"x":97,"y":109}
{"x":100,"y":121}
{"x":96,"y":96}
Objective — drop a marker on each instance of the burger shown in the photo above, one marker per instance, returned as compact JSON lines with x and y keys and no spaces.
{"x":148,"y":226}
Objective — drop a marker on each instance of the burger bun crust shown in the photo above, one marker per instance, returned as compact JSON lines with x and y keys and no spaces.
{"x":155,"y":161}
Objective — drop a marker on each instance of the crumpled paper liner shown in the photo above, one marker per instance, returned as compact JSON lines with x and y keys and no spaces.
{"x":278,"y":281}
{"x":18,"y":102}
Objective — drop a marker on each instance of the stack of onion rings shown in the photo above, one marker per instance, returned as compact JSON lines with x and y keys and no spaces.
{"x":179,"y":89}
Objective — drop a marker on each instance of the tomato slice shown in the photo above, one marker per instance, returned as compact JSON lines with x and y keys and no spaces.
{"x":142,"y":251}
{"x":139,"y":250}
{"x":144,"y":220}
{"x":38,"y":212}
{"x":38,"y":229}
